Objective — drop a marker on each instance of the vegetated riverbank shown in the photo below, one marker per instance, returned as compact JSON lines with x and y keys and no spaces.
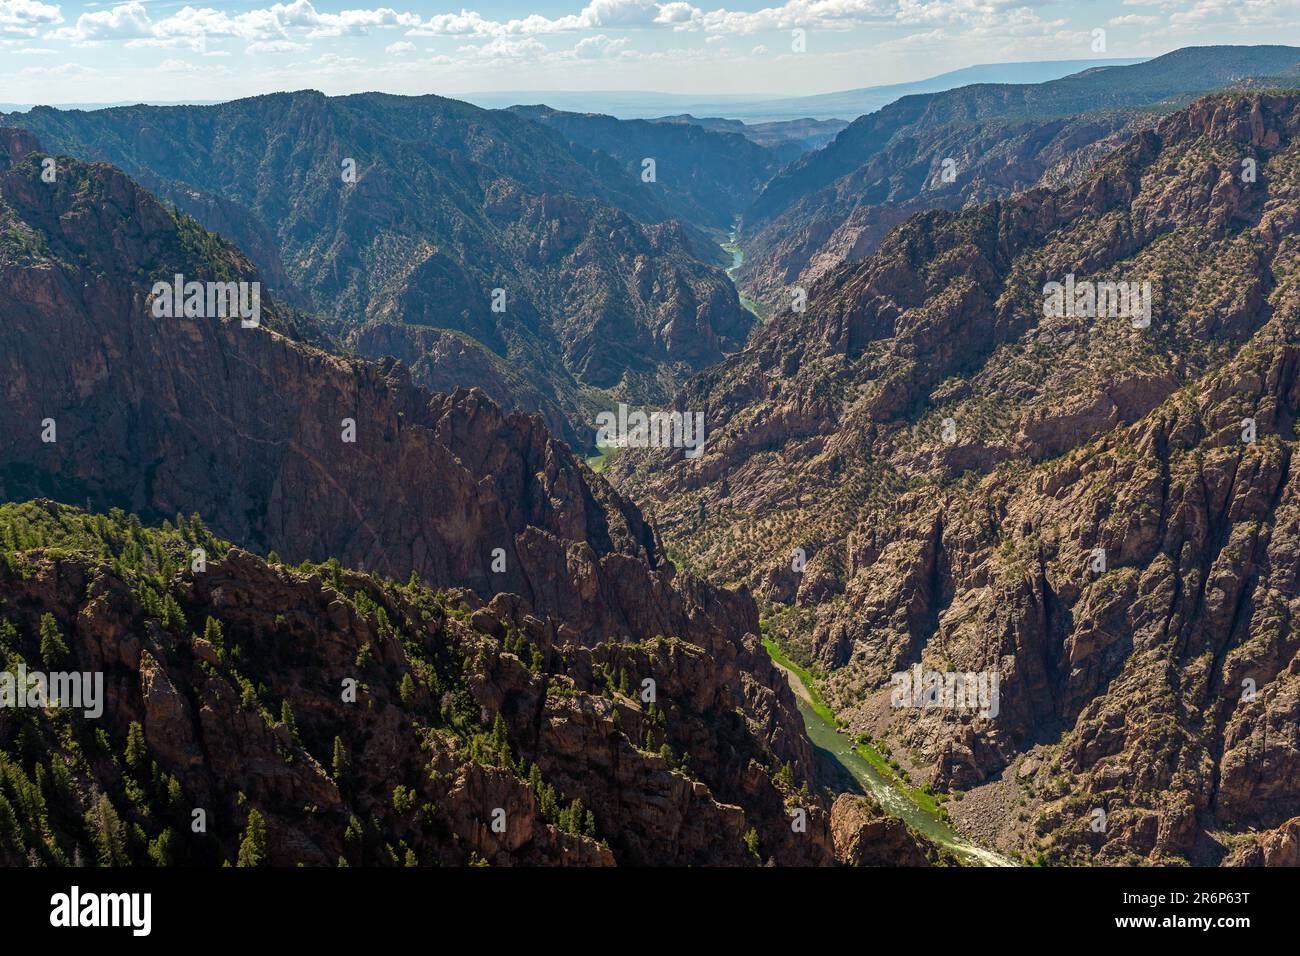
{"x":599,"y":462}
{"x":732,"y":246}
{"x":920,"y":809}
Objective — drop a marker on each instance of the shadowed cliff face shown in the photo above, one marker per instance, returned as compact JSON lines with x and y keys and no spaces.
{"x":248,"y":428}
{"x":442,"y":204}
{"x":705,"y":176}
{"x":167,"y":414}
{"x":1101,"y":513}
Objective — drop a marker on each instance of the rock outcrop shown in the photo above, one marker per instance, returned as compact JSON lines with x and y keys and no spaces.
{"x":865,"y":835}
{"x":1099,"y":511}
{"x":1280,"y":847}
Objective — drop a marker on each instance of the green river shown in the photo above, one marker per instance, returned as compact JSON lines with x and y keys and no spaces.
{"x":895,"y":802}
{"x":839,"y":747}
{"x":732,"y":246}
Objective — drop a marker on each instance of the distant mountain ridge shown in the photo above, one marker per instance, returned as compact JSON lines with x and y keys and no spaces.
{"x":837,"y":203}
{"x":851,"y":104}
{"x":606,"y":291}
{"x":757,"y":108}
{"x":788,"y":139}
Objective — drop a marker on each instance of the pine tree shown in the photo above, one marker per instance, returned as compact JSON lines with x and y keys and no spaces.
{"x":8,"y":635}
{"x":342,"y":767}
{"x":163,"y":849}
{"x":213,"y":634}
{"x":353,"y":836}
{"x":107,"y":834}
{"x":786,"y":775}
{"x":500,"y":741}
{"x":574,"y":823}
{"x":406,"y":690}
{"x":252,"y":850}
{"x":135,"y":748}
{"x":547,"y":801}
{"x":11,"y":833}
{"x":286,"y":718}
{"x":61,"y":780}
{"x":53,"y":649}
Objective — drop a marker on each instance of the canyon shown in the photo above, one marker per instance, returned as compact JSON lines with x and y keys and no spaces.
{"x":936,"y":568}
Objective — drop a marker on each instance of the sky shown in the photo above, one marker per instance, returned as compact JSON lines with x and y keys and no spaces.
{"x":165,"y":50}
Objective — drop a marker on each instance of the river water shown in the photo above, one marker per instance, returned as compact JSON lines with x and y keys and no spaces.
{"x":732,"y":247}
{"x":894,"y":801}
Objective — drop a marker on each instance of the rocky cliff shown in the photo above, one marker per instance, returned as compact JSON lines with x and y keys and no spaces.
{"x":1097,"y":509}
{"x":411,"y":211}
{"x":286,"y":448}
{"x":703,"y":175}
{"x":351,"y":719}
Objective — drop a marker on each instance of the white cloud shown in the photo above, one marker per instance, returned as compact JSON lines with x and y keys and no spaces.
{"x":591,"y":48}
{"x":300,"y":20}
{"x":352,"y":22}
{"x":63,"y":69}
{"x":274,"y":46}
{"x":269,"y":28}
{"x":123,"y":22}
{"x":1236,"y":13}
{"x":278,"y":22}
{"x":333,"y":64}
{"x":926,"y":41}
{"x":22,"y":18}
{"x":397,"y":49}
{"x":676,"y":12}
{"x":505,"y":48}
{"x":681,"y":15}
{"x":1132,"y":20}
{"x":621,"y":13}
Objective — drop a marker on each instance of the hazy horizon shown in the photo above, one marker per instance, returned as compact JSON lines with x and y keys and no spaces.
{"x":72,"y":53}
{"x":750,"y":107}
